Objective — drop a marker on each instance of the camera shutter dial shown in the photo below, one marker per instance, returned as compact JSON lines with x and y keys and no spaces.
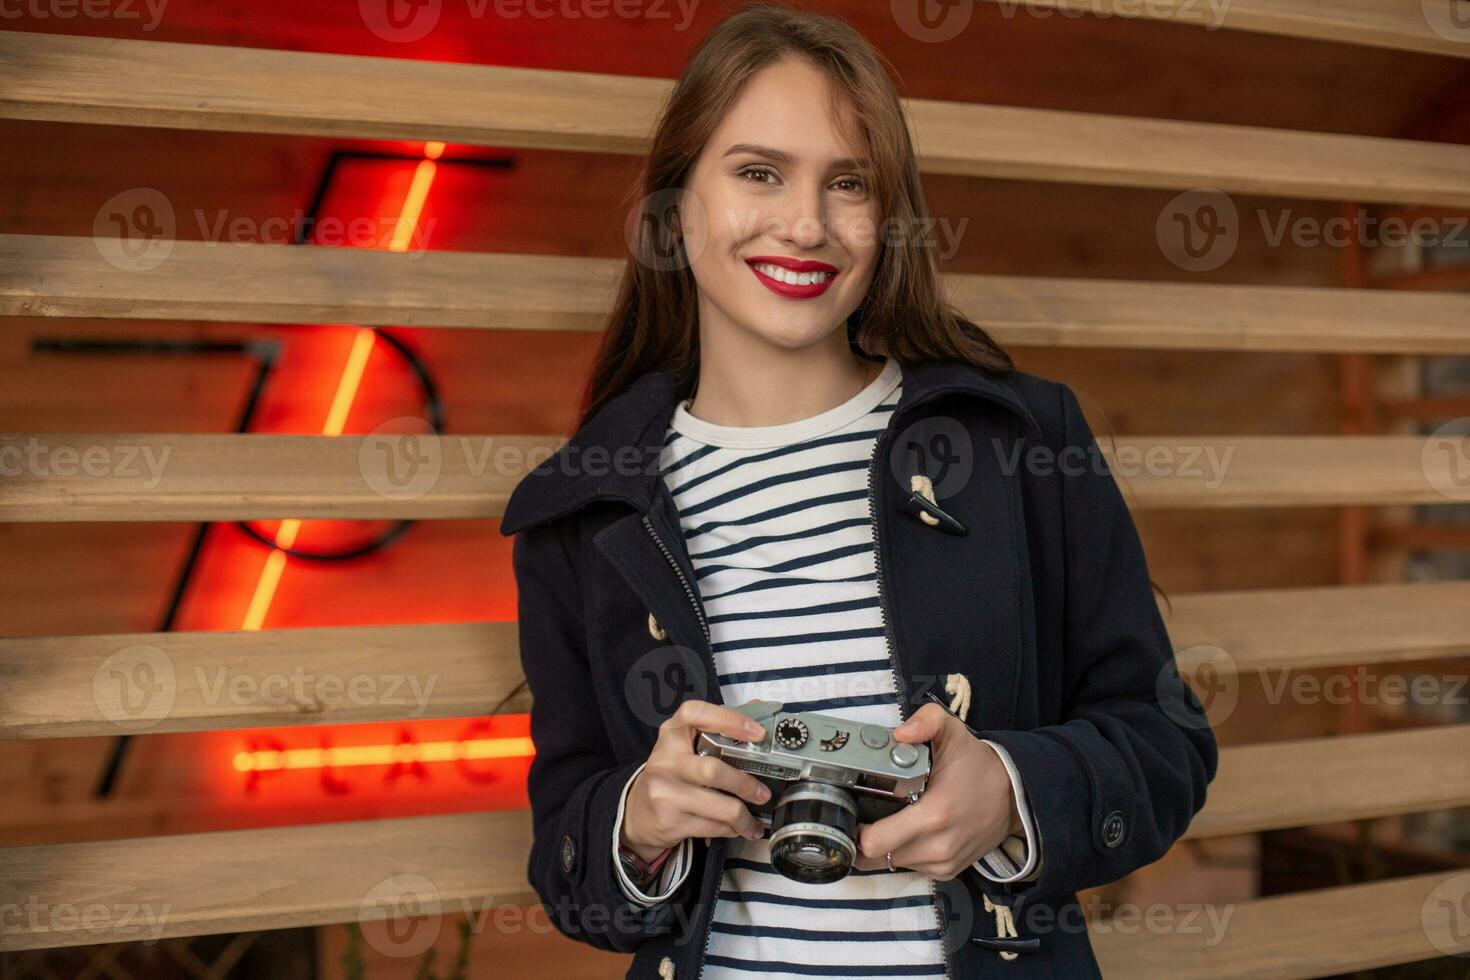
{"x":903,"y":755}
{"x":791,"y":733}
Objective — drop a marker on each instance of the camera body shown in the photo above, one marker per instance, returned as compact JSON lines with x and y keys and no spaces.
{"x":826,"y":775}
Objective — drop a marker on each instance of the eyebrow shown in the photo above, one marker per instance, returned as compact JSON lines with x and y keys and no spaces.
{"x":843,"y":163}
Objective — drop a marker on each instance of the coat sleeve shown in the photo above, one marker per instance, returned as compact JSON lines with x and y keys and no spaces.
{"x":1117,"y":781}
{"x":575,"y":781}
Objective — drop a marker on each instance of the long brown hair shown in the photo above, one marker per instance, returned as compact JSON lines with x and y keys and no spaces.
{"x":654,"y":321}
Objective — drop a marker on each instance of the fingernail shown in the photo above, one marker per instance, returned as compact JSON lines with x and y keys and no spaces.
{"x":755,"y":730}
{"x":762,"y":794}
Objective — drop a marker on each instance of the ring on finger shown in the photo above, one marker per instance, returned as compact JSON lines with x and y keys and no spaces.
{"x":889,"y":858}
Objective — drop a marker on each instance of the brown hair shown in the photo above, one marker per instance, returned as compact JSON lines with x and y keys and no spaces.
{"x":654,"y":321}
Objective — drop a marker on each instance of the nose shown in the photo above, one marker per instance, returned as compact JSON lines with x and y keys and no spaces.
{"x":800,"y":220}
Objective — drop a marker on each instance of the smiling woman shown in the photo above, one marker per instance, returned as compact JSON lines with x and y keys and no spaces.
{"x":779,"y":355}
{"x":783,"y":160}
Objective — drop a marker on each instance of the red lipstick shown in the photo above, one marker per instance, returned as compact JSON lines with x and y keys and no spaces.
{"x":791,"y":290}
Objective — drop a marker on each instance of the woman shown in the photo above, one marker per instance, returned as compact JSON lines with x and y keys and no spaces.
{"x":724,"y":526}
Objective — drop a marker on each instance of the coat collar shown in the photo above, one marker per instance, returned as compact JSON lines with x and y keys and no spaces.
{"x":615,"y":455}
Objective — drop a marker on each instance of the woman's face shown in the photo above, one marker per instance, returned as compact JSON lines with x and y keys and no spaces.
{"x":779,"y":184}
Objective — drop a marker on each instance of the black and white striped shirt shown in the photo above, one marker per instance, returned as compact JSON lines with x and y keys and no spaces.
{"x":777,"y":524}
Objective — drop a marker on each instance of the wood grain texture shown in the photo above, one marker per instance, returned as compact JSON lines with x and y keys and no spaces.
{"x":255,"y":283}
{"x":1402,"y":25}
{"x":186,"y":477}
{"x":1164,"y":472}
{"x":1310,"y":781}
{"x":154,"y":83}
{"x":72,"y":276}
{"x":243,"y":881}
{"x":1229,"y":633}
{"x":1306,"y":934}
{"x":189,"y":477}
{"x":71,"y":686}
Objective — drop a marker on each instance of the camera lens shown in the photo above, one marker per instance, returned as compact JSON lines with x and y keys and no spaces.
{"x":812,"y":831}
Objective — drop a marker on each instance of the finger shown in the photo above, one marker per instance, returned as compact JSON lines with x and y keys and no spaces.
{"x":723,"y":808}
{"x":893,"y":832}
{"x":925,"y":852}
{"x":706,"y":770}
{"x":692,"y":826}
{"x":923,"y":725}
{"x":695,"y":715}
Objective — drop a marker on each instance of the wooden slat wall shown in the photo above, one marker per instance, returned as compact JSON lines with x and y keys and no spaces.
{"x":151,"y":83}
{"x":212,"y":882}
{"x":87,"y":277}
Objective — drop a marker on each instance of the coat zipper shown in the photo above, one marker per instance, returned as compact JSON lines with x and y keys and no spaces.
{"x":714,"y":673}
{"x":899,"y":684}
{"x":888,"y":639}
{"x":689,"y":591}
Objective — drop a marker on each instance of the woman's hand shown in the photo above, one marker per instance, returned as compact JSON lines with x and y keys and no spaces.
{"x":683,"y":794}
{"x":967,"y":809}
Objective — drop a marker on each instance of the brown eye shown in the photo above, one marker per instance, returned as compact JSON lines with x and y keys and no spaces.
{"x":757,"y":171}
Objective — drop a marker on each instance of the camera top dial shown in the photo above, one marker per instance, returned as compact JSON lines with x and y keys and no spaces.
{"x":791,"y":733}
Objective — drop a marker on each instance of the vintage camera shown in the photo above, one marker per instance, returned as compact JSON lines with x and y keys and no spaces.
{"x":826,"y":775}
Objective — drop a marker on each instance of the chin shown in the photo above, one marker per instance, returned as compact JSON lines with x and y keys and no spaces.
{"x":792,"y":336}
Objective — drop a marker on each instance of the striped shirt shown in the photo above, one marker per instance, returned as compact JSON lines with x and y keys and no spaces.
{"x":777,"y":523}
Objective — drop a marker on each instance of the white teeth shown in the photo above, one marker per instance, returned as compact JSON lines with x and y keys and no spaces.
{"x":794,"y":278}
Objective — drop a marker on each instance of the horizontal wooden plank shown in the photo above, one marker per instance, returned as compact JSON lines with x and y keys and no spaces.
{"x":153,"y":83}
{"x":1323,"y":780}
{"x":238,"y":881}
{"x":1403,"y":25}
{"x":194,"y":477}
{"x":68,"y":686}
{"x":191,"y":477}
{"x":85,"y":277}
{"x":1229,"y":633}
{"x":1325,"y":932}
{"x":1166,"y":472}
{"x":1053,"y":311}
{"x":75,"y":276}
{"x":57,"y":686}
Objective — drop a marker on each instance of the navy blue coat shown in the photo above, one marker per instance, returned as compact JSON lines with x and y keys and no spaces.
{"x":1032,"y":583}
